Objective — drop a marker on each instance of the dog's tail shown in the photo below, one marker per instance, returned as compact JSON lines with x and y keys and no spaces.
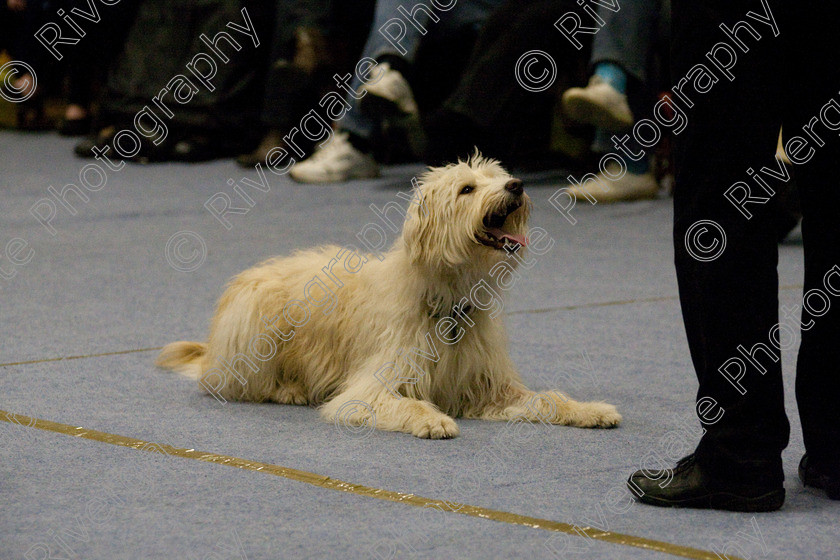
{"x":183,"y":357}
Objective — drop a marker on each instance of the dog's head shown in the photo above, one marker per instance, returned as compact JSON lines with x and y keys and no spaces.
{"x":469,"y":213}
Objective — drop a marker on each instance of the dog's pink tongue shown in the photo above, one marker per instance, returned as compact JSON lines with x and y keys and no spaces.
{"x":501,"y":235}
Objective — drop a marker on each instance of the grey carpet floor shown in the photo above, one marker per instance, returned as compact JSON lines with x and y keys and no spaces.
{"x":597,"y":315}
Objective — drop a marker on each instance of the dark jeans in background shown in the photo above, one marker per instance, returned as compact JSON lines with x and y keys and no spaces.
{"x":489,"y":108}
{"x":290,"y":92}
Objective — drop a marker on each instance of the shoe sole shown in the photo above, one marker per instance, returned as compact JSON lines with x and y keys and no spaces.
{"x":374,"y":104}
{"x":723,"y":501}
{"x":822,"y":483}
{"x":582,"y":110}
{"x":247,"y":160}
{"x":388,"y":110}
{"x":351,"y":177}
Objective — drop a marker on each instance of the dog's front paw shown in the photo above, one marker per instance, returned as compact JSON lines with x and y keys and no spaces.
{"x":435,"y":427}
{"x":599,"y":415}
{"x":290,"y":393}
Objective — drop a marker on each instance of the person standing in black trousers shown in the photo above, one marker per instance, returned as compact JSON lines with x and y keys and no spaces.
{"x":730,"y":304}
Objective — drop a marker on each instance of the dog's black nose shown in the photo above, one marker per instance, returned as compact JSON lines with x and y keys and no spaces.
{"x":514,"y":186}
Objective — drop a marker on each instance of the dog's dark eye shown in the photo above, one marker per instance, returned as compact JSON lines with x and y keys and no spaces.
{"x":467,"y":189}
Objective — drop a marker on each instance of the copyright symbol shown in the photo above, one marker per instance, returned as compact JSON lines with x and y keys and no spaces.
{"x":355,"y":418}
{"x":705,"y":240}
{"x":539,"y":78}
{"x":186,"y":251}
{"x":8,"y":91}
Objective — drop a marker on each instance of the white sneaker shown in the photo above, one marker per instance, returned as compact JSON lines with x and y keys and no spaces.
{"x":598,"y":104}
{"x":393,"y":89}
{"x":630,"y":187}
{"x":336,"y":162}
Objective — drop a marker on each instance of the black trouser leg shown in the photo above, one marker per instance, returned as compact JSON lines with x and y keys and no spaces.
{"x":816,"y":76}
{"x":730,"y":301}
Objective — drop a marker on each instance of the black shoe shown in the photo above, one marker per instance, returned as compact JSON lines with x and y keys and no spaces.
{"x":689,"y":486}
{"x":193,"y":148}
{"x":84,"y":148}
{"x":819,"y":476}
{"x":74,"y":127}
{"x":31,"y":115}
{"x":104,"y":137}
{"x":104,"y":141}
{"x":271,"y":140}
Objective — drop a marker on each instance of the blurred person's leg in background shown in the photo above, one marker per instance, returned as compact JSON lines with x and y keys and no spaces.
{"x":490,"y":108}
{"x":188,"y":117}
{"x":394,"y":45}
{"x":27,"y":16}
{"x":88,"y":61}
{"x":311,"y":41}
{"x":623,"y":58}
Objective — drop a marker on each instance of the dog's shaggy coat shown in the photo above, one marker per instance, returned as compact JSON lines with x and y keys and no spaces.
{"x":399,"y":339}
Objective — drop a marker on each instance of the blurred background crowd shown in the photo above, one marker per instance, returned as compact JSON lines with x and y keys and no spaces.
{"x":499,"y":75}
{"x":447,"y":80}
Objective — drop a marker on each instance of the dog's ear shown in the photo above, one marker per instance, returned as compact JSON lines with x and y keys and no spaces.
{"x":417,"y":219}
{"x":428,"y":232}
{"x":424,"y":232}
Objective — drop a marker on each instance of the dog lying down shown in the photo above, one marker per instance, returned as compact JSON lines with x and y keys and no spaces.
{"x":409,"y":333}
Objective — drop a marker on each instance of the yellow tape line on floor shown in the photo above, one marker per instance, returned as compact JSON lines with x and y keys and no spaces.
{"x":117,"y":353}
{"x":358,"y":489}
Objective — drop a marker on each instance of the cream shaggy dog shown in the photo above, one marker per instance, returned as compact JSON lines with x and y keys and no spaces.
{"x":405,"y":343}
